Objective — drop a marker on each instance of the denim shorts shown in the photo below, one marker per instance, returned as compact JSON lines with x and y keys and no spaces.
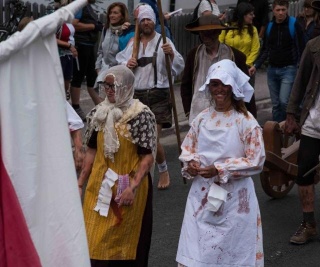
{"x":67,"y":66}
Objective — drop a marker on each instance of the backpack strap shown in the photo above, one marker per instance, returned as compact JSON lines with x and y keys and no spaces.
{"x":292,"y":30}
{"x":270,"y":24}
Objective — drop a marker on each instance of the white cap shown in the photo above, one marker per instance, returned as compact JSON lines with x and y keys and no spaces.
{"x":146,"y":12}
{"x":229,"y":74}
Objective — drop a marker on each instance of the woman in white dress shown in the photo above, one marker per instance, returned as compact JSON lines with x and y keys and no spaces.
{"x":224,"y":147}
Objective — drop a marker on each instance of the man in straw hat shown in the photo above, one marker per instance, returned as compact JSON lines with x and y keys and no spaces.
{"x":151,"y":83}
{"x":306,"y":88}
{"x":201,"y":58}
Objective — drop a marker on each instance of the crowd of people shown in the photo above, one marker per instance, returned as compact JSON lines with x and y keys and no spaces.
{"x":224,"y":146}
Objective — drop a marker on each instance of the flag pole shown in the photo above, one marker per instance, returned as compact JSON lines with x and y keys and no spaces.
{"x":168,"y":67}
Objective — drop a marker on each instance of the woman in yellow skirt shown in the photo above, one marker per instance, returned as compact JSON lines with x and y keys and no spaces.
{"x":121,"y":141}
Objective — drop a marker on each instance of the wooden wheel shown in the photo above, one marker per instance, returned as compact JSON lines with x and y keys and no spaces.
{"x":273,"y":186}
{"x":280,"y":170}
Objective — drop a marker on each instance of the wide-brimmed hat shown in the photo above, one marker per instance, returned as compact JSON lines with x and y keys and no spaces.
{"x":316,"y":5}
{"x":207,"y":23}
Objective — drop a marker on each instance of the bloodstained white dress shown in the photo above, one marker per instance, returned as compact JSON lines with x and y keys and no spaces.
{"x":232,"y":236}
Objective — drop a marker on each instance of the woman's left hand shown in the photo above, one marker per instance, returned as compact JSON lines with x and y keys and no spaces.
{"x":127,"y":197}
{"x":208,"y":172}
{"x":125,"y":26}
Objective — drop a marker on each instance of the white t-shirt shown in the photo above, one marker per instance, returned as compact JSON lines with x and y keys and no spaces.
{"x":311,"y":126}
{"x":206,"y":6}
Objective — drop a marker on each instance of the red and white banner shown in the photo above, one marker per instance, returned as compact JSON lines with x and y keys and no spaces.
{"x":41,"y":220}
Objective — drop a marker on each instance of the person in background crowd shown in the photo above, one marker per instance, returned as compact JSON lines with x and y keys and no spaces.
{"x":261,"y":12}
{"x":115,"y":35}
{"x":223,"y":148}
{"x":305,"y":100}
{"x":152,"y":85}
{"x":75,"y":126}
{"x":199,"y":60}
{"x":66,"y":48}
{"x":208,"y":7}
{"x":121,"y":140}
{"x":245,"y":38}
{"x":87,"y":28}
{"x":117,"y":23}
{"x":154,"y":6}
{"x":282,"y":46}
{"x":309,"y":20}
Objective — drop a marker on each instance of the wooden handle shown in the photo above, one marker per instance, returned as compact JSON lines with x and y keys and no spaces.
{"x":136,"y":41}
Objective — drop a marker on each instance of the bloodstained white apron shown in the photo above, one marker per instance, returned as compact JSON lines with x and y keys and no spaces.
{"x":227,"y":237}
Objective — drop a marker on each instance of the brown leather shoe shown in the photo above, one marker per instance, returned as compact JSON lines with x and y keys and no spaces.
{"x":305,"y":232}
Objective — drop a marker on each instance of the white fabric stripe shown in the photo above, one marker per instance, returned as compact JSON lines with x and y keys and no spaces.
{"x":35,"y":139}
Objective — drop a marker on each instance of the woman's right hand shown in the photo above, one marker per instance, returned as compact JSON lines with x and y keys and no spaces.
{"x":193,"y":167}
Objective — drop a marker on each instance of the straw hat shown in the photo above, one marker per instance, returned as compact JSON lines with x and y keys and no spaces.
{"x":207,"y":23}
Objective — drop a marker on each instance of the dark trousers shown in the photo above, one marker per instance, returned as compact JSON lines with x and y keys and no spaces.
{"x":308,"y":157}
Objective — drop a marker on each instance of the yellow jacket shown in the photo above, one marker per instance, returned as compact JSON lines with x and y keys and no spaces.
{"x":248,"y":45}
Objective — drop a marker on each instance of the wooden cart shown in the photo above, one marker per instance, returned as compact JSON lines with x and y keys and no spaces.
{"x":280,"y":168}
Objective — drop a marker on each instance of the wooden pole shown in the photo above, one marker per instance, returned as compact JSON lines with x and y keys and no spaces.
{"x":168,"y":67}
{"x":136,"y":41}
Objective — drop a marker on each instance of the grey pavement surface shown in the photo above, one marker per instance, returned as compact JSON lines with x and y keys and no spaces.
{"x":280,"y":217}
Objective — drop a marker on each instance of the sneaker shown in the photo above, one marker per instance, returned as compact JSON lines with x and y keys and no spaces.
{"x":81,"y":114}
{"x":305,"y":232}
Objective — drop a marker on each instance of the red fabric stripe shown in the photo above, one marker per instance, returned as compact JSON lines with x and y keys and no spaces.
{"x":65,"y":33}
{"x":16,"y":246}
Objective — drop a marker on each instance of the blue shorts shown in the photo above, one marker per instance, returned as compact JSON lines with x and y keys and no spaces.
{"x":67,"y":67}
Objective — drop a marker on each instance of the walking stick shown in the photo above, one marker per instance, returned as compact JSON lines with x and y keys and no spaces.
{"x":136,"y":41}
{"x":168,"y":67}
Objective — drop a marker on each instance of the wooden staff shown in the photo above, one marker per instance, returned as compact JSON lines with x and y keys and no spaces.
{"x":168,"y":67}
{"x":136,"y":40}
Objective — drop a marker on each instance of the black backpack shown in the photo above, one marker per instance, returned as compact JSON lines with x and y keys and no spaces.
{"x":195,"y":11}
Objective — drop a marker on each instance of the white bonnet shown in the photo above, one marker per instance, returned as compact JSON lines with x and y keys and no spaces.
{"x":229,"y":74}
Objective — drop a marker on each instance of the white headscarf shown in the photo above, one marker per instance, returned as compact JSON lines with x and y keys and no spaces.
{"x":146,"y":12}
{"x":229,"y":74}
{"x":107,"y":113}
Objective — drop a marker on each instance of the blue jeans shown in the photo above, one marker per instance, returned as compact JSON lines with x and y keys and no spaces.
{"x":280,"y":81}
